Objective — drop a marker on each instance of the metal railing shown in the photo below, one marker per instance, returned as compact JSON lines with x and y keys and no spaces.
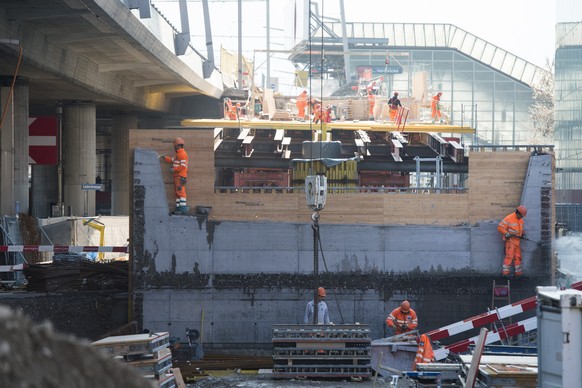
{"x":341,"y":190}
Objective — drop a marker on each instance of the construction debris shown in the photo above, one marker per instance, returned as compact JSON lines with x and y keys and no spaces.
{"x":36,"y":356}
{"x":73,"y":273}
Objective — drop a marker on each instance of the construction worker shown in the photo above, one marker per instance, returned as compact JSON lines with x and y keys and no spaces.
{"x":179,"y":172}
{"x":402,"y":319}
{"x":511,"y":227}
{"x":371,"y":102}
{"x":317,"y":111}
{"x":435,"y":107}
{"x":394,"y":103}
{"x":424,"y":352}
{"x":322,"y":312}
{"x":232,"y":111}
{"x":301,"y":104}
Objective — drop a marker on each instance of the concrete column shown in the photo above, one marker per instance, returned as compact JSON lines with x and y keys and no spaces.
{"x":44,"y":190}
{"x":6,"y":150}
{"x":79,"y":157}
{"x":120,"y":163}
{"x":21,"y":113}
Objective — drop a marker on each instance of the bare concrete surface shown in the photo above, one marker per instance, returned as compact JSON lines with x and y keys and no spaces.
{"x":35,"y":356}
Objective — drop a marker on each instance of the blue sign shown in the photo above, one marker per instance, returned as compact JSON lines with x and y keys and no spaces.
{"x":91,"y":186}
{"x":387,"y":70}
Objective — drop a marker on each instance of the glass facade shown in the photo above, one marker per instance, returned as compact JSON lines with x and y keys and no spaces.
{"x":568,"y":106}
{"x":483,"y":85}
{"x":474,"y":94}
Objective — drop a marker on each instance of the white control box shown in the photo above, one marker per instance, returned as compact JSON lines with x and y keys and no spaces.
{"x":316,"y":191}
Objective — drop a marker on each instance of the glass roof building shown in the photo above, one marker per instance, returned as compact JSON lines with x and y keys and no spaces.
{"x":568,"y":107}
{"x":483,"y":85}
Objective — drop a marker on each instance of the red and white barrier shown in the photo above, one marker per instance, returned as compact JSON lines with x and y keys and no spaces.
{"x":63,"y":248}
{"x":488,"y":317}
{"x":483,"y":319}
{"x":493,"y":336}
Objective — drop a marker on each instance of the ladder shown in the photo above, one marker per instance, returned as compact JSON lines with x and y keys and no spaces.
{"x":501,"y":293}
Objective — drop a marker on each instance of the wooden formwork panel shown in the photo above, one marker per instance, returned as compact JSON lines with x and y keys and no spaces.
{"x":495,"y":184}
{"x":494,"y":187}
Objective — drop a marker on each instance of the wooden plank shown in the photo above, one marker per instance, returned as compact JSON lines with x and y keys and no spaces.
{"x":179,"y":379}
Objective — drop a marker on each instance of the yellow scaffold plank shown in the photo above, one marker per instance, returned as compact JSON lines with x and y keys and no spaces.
{"x":372,"y":126}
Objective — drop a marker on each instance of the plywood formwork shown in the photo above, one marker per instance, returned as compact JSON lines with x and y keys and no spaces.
{"x":495,"y":183}
{"x":495,"y":186}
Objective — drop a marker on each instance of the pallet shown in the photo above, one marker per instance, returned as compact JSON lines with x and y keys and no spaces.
{"x":321,"y":351}
{"x":137,"y":344}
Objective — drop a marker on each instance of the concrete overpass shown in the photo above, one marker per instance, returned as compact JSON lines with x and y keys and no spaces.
{"x":84,"y":61}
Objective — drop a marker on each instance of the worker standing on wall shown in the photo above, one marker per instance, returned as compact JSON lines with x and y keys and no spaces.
{"x":301,"y":104}
{"x":511,"y":227}
{"x":435,"y":107}
{"x":402,"y":319}
{"x":322,"y":312}
{"x":393,"y":104}
{"x":179,"y":172}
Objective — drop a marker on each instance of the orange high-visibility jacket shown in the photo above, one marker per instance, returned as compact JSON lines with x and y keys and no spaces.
{"x":398,"y":318}
{"x":179,"y":163}
{"x":424,"y":353}
{"x":511,"y":224}
{"x":435,"y":102}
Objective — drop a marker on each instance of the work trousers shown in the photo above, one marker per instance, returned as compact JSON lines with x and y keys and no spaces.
{"x":180,"y":190}
{"x":512,"y":255}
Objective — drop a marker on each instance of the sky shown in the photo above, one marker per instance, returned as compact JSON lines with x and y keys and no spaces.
{"x":525,"y":28}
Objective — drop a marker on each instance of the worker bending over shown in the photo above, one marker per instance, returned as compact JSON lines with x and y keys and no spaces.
{"x":322,"y":312}
{"x":179,"y":172}
{"x":511,"y":227}
{"x":402,"y":319}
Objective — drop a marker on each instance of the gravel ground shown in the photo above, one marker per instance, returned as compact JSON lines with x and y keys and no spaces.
{"x":267,"y":381}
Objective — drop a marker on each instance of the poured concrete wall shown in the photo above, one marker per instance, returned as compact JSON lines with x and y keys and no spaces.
{"x":235,"y":279}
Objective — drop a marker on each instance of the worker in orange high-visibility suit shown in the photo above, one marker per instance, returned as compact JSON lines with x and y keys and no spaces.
{"x":232,"y":111}
{"x":402,"y":319}
{"x":301,"y":104}
{"x":424,"y":353}
{"x":179,"y":172}
{"x":511,"y":227}
{"x":371,"y":102}
{"x":435,"y":107}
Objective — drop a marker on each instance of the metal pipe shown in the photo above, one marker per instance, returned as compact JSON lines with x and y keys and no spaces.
{"x":240,"y":61}
{"x":268,"y":83}
{"x":345,"y":43}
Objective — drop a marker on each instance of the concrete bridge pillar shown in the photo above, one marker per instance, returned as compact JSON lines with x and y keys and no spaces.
{"x":79,"y":157}
{"x":21,"y":113}
{"x":13,"y":147}
{"x":120,"y":163}
{"x":44,"y":190}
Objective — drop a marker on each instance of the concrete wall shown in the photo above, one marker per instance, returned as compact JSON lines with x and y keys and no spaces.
{"x":235,"y":279}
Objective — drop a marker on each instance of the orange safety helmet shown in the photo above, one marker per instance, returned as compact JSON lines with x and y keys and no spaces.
{"x":178,"y":141}
{"x":321,"y":292}
{"x":405,"y":306}
{"x":521,"y":210}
